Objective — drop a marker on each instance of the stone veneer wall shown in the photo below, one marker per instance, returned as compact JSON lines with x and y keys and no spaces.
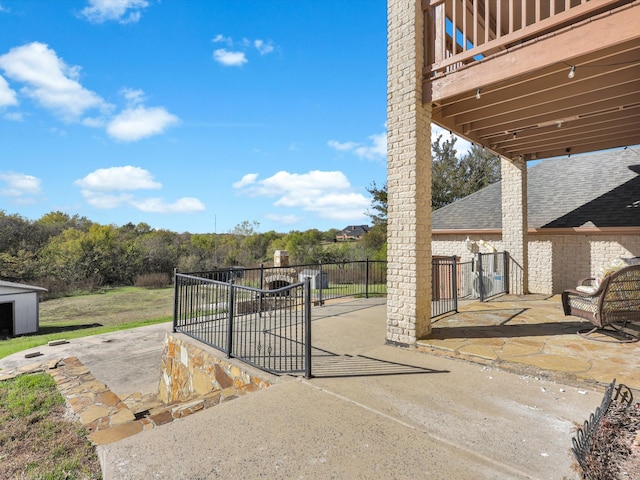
{"x":556,"y":262}
{"x":408,"y":177}
{"x":189,"y":371}
{"x":514,"y":215}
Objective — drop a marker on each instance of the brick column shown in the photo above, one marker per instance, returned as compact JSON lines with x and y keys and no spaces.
{"x":409,"y":178}
{"x":514,"y":217}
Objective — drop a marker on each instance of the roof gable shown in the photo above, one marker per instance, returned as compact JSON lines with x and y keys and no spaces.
{"x":7,"y":288}
{"x":601,"y":189}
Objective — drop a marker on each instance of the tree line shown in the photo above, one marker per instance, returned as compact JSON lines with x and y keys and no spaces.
{"x":69,"y":253}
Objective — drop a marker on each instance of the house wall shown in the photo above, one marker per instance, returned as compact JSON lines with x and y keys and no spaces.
{"x":556,"y":262}
{"x":25,"y":311}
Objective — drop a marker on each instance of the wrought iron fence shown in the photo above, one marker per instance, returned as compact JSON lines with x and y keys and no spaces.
{"x":445,"y":276}
{"x":582,"y":442}
{"x":328,"y":280}
{"x":515,"y":279}
{"x":270,"y":329}
{"x":491,"y":276}
{"x":485,"y":276}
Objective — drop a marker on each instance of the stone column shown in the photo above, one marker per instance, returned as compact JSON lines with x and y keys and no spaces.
{"x":409,"y":178}
{"x":514,"y":218}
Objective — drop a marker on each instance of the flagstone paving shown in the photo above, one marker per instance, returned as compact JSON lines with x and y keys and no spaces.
{"x":106,"y":417}
{"x":531,"y":332}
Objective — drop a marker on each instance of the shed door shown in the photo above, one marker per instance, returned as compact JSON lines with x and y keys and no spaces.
{"x":6,"y":319}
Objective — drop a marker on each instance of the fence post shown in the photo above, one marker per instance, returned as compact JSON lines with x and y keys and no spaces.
{"x":260,"y":295}
{"x":505,"y":277}
{"x":454,"y":281}
{"x":320,"y":294}
{"x":261,"y":276}
{"x":307,"y":328}
{"x":366,"y":283}
{"x":175,"y":299}
{"x":480,"y":278}
{"x":230,"y":314}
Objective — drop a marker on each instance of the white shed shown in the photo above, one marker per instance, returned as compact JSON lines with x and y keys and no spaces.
{"x":19,"y":308}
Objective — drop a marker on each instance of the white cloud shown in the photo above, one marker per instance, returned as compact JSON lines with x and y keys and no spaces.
{"x":14,"y":116}
{"x":133,"y":96}
{"x":105,"y":200}
{"x":157,"y":205}
{"x":4,"y":9}
{"x":325,"y":194}
{"x":376,"y":149}
{"x":7,"y":95}
{"x":134,"y":124}
{"x":283,"y":219}
{"x":49,"y":81}
{"x":462,"y":146}
{"x":109,"y":188}
{"x":122,"y":11}
{"x":342,"y":146}
{"x":119,"y":178}
{"x":248,"y":179}
{"x":94,"y":122}
{"x":238,"y":56}
{"x":229,"y":59}
{"x":19,"y":185}
{"x":263,"y":47}
{"x":221,"y":38}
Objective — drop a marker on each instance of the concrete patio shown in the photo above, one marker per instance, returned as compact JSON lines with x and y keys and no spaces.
{"x":496,"y":393}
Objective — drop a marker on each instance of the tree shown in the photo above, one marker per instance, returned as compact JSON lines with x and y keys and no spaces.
{"x":454,"y":178}
{"x":378,"y":204}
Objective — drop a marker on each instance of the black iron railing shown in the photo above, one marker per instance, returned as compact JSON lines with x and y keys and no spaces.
{"x":445,"y":278}
{"x":328,"y":280}
{"x":487,"y":275}
{"x":491,"y":276}
{"x":583,"y":440}
{"x":270,"y":329}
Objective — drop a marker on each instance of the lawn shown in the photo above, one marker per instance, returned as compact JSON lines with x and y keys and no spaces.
{"x":84,"y":315}
{"x":38,"y":440}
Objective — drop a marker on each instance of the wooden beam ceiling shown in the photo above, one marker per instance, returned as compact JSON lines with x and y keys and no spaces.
{"x":530,"y":108}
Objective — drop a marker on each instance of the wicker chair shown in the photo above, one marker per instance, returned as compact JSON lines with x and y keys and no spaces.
{"x":615,"y":303}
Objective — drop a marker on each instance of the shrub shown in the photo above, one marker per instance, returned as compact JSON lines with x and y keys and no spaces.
{"x":153,"y":280}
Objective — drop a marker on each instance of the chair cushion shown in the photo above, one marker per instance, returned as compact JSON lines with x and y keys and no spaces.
{"x":586,"y":289}
{"x":614,"y":266}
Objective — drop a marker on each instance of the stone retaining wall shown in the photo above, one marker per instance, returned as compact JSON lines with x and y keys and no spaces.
{"x":189,"y":371}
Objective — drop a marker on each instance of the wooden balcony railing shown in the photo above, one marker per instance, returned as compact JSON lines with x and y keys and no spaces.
{"x":460,"y":32}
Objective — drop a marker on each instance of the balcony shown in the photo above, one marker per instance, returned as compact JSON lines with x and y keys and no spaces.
{"x":534,"y":79}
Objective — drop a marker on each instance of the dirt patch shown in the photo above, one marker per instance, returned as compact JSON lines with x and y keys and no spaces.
{"x":37,"y":437}
{"x":613,"y":452}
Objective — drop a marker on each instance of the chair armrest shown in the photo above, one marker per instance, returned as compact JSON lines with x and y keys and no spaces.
{"x":583,"y":281}
{"x":573,"y":291}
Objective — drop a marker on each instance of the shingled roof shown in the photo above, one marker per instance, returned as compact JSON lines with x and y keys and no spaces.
{"x":595,"y":190}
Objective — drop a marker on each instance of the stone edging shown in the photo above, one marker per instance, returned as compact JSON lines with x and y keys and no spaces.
{"x":108,"y":418}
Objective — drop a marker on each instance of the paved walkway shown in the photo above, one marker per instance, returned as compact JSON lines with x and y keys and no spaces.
{"x":372,"y":410}
{"x":531,"y":333}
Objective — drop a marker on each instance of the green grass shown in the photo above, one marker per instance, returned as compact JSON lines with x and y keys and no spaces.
{"x":83,"y":315}
{"x":37,"y":441}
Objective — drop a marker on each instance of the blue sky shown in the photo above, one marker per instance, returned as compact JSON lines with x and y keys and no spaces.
{"x":193,"y":115}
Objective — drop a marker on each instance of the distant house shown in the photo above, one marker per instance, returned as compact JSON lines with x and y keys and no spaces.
{"x":19,"y":308}
{"x":352,"y":232}
{"x":582,"y":213}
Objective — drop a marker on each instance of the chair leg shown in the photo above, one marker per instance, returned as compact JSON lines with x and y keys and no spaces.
{"x":615,"y":333}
